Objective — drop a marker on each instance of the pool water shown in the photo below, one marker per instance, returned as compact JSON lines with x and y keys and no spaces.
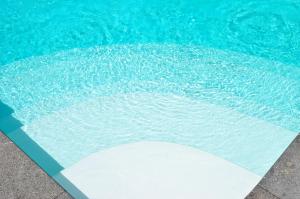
{"x":85,"y":76}
{"x":265,"y":28}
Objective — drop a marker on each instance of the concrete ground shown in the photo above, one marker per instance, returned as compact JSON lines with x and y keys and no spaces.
{"x":20,"y":178}
{"x":283,"y":179}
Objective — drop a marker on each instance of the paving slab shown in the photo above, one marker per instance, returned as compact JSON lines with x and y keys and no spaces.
{"x":21,"y":178}
{"x":63,"y":195}
{"x":4,"y":139}
{"x":283,"y":179}
{"x":260,"y":193}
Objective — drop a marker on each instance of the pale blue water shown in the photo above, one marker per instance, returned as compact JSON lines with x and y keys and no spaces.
{"x":236,"y":64}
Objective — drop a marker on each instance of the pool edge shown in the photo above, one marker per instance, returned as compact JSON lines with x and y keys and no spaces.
{"x":265,"y":189}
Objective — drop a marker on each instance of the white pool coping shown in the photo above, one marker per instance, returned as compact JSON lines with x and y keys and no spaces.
{"x":148,"y":170}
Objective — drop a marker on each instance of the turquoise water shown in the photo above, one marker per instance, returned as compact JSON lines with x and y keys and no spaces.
{"x":265,"y":28}
{"x":83,"y":76}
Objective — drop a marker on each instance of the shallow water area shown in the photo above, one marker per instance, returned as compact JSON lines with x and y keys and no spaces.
{"x":172,"y":93}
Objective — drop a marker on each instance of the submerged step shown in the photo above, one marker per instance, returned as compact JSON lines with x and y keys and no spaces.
{"x":102,"y":122}
{"x":157,"y":170}
{"x":82,"y":71}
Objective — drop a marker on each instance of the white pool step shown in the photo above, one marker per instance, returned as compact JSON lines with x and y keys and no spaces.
{"x":148,"y":170}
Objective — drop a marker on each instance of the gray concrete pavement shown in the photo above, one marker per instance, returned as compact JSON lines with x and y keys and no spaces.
{"x":21,"y":178}
{"x":283,"y":179}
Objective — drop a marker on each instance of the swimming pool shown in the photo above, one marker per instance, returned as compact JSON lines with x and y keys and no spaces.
{"x":87,"y":77}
